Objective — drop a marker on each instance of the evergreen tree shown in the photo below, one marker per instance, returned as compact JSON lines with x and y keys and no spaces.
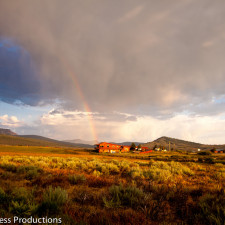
{"x":133,"y":146}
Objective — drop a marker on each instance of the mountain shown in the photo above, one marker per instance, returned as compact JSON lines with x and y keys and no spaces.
{"x":6,"y":132}
{"x":177,"y":144}
{"x":34,"y":140}
{"x":66,"y":143}
{"x":80,"y":141}
{"x":128,"y":143}
{"x":94,"y":142}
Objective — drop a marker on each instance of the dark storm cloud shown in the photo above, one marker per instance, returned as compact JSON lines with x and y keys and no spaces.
{"x":18,"y":81}
{"x":145,"y":57}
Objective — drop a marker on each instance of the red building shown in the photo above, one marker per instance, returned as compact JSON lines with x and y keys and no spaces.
{"x":115,"y":148}
{"x":144,"y":149}
{"x":111,"y":148}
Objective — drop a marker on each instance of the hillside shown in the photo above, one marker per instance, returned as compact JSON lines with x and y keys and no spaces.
{"x":80,"y":141}
{"x":128,"y":143}
{"x":62,"y":143}
{"x":177,"y":144}
{"x":33,"y":140}
{"x":6,"y":132}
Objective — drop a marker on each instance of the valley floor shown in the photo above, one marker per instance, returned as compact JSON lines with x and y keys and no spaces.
{"x":83,"y":187}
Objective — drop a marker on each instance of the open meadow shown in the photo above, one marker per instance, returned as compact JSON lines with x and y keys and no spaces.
{"x":84,"y":187}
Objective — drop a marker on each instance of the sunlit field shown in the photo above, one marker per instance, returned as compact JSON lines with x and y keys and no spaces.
{"x":84,"y":187}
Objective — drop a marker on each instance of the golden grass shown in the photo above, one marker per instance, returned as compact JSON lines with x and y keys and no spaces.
{"x":165,"y":189}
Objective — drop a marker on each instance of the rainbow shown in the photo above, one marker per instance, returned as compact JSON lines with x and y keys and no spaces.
{"x":81,"y":95}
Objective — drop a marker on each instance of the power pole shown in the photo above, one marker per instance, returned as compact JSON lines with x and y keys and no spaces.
{"x":169,"y":145}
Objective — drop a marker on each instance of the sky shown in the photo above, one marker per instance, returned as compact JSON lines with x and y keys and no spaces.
{"x":113,"y":70}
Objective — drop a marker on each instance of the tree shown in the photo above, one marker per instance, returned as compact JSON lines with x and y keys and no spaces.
{"x":139,"y":146}
{"x":132,"y":146}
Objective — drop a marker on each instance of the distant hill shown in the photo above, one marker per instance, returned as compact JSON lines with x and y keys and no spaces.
{"x":6,"y":132}
{"x":34,"y":140}
{"x":80,"y":141}
{"x":7,"y":137}
{"x":177,"y":144}
{"x":128,"y":143}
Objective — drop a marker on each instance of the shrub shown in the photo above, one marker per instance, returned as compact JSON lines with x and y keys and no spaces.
{"x":219,"y":175}
{"x":2,"y":196}
{"x":209,"y":160}
{"x":212,"y":209}
{"x":157,"y":174}
{"x":124,"y":196}
{"x":114,"y":169}
{"x":21,"y":170}
{"x":75,"y":179}
{"x":9,"y":167}
{"x":7,"y":175}
{"x":83,"y":196}
{"x":22,"y":195}
{"x":219,"y":165}
{"x":204,"y":153}
{"x":96,"y":173}
{"x":31,"y":174}
{"x":53,"y":200}
{"x":136,"y":173}
{"x":200,"y":160}
{"x":105,"y":170}
{"x":22,"y":209}
{"x":21,"y":203}
{"x":178,"y":168}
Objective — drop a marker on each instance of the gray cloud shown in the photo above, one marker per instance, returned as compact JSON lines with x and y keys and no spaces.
{"x":18,"y":81}
{"x":98,"y":117}
{"x":144,"y":57}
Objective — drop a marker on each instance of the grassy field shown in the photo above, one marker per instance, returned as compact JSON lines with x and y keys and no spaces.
{"x":38,"y":149}
{"x":83,"y":187}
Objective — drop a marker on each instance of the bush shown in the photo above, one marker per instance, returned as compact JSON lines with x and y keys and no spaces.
{"x":9,"y":167}
{"x":76,"y":179}
{"x":22,"y":209}
{"x":2,"y":196}
{"x":204,"y":153}
{"x":209,"y":160}
{"x":178,"y":168}
{"x":31,"y":174}
{"x":22,"y":195}
{"x":53,"y":200}
{"x":124,"y":196}
{"x":83,"y":196}
{"x":21,"y":170}
{"x":158,"y":174}
{"x":21,"y":203}
{"x":96,"y":173}
{"x":136,"y":174}
{"x":212,"y":209}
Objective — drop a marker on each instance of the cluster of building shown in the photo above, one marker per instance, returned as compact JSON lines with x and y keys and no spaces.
{"x":115,"y":148}
{"x":105,"y":147}
{"x":217,"y":150}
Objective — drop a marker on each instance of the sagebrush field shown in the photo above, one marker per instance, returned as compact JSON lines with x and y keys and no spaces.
{"x":83,"y":187}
